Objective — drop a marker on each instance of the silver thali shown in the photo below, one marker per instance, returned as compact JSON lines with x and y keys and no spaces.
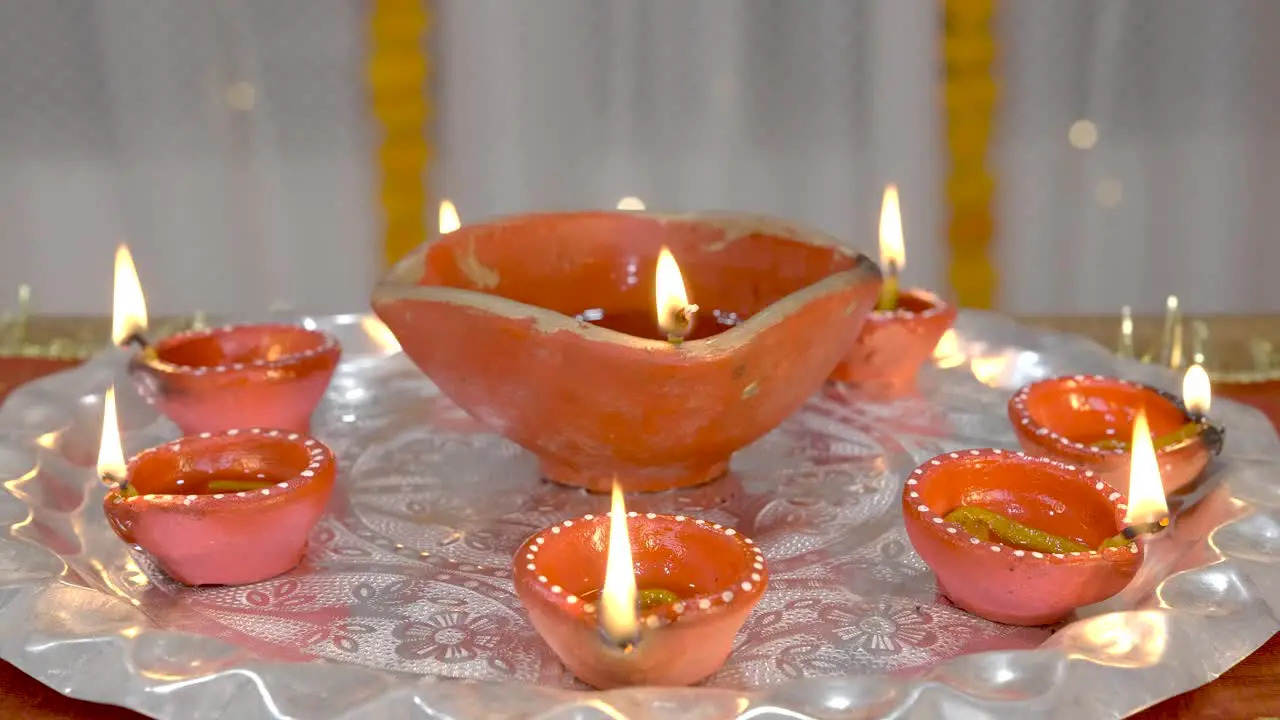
{"x":404,"y":607}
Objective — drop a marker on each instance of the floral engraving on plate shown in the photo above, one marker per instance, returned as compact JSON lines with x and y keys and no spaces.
{"x":410,"y":570}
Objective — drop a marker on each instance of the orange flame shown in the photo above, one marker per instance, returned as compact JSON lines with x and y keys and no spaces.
{"x":618,"y":617}
{"x":1146,"y":491}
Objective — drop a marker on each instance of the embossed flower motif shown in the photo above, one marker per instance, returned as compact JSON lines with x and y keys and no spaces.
{"x":882,"y":630}
{"x":480,"y":539}
{"x":344,"y":636}
{"x":281,"y":595}
{"x":451,"y":637}
{"x":393,"y":594}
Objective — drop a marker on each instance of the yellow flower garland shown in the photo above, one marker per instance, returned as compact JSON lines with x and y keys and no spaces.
{"x":398,"y":74}
{"x":970,"y":94}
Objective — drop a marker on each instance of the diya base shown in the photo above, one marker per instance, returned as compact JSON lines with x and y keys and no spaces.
{"x":894,"y":344}
{"x":1006,"y":584}
{"x":719,"y":575}
{"x":633,"y":478}
{"x":254,"y":562}
{"x":235,"y":537}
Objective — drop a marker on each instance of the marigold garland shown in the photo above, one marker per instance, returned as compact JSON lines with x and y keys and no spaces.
{"x":398,"y":73}
{"x":970,"y":95}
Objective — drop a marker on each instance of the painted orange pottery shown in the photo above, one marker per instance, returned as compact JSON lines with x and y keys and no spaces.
{"x":894,"y":344}
{"x":278,"y":484}
{"x":544,"y":327}
{"x":238,"y":376}
{"x":1063,"y":417}
{"x":1001,"y":583}
{"x":718,"y":574}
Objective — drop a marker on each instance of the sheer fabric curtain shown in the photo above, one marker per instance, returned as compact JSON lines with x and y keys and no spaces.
{"x":1172,"y":184}
{"x":231,"y":144}
{"x":798,"y":109}
{"x":227,"y":142}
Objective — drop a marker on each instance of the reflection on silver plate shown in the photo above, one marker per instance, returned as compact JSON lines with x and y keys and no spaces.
{"x":406,"y":588}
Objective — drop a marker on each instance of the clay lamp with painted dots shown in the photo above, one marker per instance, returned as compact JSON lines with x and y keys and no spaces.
{"x":226,"y":509}
{"x":1026,"y":540}
{"x":639,"y":599}
{"x":1086,"y":421}
{"x":900,"y":334}
{"x":575,"y":336}
{"x":268,"y":375}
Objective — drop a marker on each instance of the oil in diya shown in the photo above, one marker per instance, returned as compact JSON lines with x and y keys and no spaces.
{"x":639,"y":599}
{"x":1026,"y":540}
{"x":900,"y":334}
{"x":1085,"y":420}
{"x":226,"y":509}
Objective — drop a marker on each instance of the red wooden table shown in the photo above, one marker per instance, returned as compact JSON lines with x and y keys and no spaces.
{"x":1248,"y":691}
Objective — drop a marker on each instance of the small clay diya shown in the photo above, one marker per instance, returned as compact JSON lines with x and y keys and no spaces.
{"x":544,"y":328}
{"x":226,"y":509}
{"x":1086,"y":420}
{"x":704,"y":580}
{"x":1000,"y":577}
{"x":268,"y":375}
{"x":894,"y":344}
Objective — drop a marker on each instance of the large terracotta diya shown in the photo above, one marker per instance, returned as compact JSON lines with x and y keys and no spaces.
{"x":1083,"y":420}
{"x":895,"y":344}
{"x":544,"y":327}
{"x":268,"y":375}
{"x":225,"y":509}
{"x":1003,"y":582}
{"x":708,"y":579}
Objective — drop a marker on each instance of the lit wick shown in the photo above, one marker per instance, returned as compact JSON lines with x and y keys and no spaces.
{"x":1197,"y":396}
{"x":128,"y":306}
{"x":893,"y":254}
{"x":111,"y":467}
{"x":619,"y":621}
{"x":675,"y":312}
{"x":680,"y":323}
{"x":1148,"y":513}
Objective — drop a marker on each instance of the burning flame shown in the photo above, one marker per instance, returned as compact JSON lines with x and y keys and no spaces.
{"x":110,"y":453}
{"x":618,"y":617}
{"x":1196,"y":392}
{"x":672,"y":301}
{"x":128,"y":305}
{"x":892,"y":248}
{"x":631,"y":202}
{"x":1146,"y":493}
{"x":448,"y":220}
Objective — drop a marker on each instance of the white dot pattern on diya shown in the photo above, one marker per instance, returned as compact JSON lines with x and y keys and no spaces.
{"x":316,"y":457}
{"x":325,"y":343}
{"x":928,"y":515}
{"x":705,"y":602}
{"x":1019,"y":402}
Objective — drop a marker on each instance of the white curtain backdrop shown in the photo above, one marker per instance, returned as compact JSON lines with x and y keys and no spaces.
{"x":798,"y":109}
{"x":1179,"y":193}
{"x":230,"y":142}
{"x":226,"y":142}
